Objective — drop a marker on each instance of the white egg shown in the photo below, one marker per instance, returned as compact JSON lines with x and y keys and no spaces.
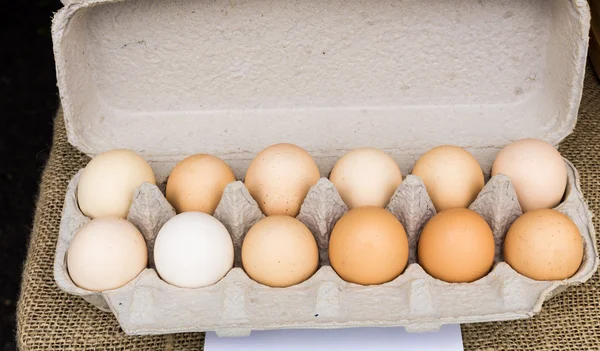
{"x":193,"y":250}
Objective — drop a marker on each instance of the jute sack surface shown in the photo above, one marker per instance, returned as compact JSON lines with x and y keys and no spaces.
{"x":48,"y":319}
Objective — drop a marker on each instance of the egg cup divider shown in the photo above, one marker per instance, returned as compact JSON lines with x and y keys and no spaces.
{"x":236,"y":304}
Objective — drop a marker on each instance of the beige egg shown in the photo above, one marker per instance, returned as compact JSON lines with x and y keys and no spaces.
{"x":108,"y":183}
{"x":106,"y":254}
{"x":366,"y":177}
{"x":544,"y":244}
{"x":280,"y":251}
{"x":452,"y":176}
{"x":197,"y":183}
{"x":368,"y":246}
{"x":537,"y":171}
{"x":456,"y":246}
{"x":280,"y":177}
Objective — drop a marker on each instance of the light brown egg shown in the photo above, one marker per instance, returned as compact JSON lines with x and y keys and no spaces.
{"x":366,"y":177}
{"x":280,"y":177}
{"x":280,"y":251}
{"x":537,"y":171}
{"x":197,"y":183}
{"x":368,"y":246}
{"x":544,"y":245}
{"x":456,"y":246}
{"x":452,"y":176}
{"x":105,"y":254}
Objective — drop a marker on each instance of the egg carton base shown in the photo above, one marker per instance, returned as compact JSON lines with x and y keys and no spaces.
{"x":236,"y":304}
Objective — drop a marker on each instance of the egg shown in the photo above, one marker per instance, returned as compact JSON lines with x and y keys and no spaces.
{"x":108,"y":183}
{"x":368,"y":246}
{"x":193,"y":250}
{"x":280,"y":177}
{"x":197,"y":183}
{"x":105,"y":254}
{"x":544,"y":244}
{"x":279,"y":251}
{"x":456,"y":246}
{"x":537,"y":171}
{"x":452,"y":176}
{"x":366,"y":177}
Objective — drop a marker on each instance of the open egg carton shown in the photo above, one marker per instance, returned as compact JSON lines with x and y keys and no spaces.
{"x":168,"y":79}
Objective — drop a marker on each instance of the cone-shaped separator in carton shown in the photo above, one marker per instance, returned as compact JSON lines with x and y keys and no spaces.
{"x":497,"y":203}
{"x":413,"y":207}
{"x":238,"y":211}
{"x":149,"y":211}
{"x":320,"y":212}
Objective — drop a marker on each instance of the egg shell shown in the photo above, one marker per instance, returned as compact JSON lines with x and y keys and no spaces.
{"x":368,"y":246}
{"x":366,"y":177}
{"x":105,"y":254}
{"x":108,"y":182}
{"x":193,"y":250}
{"x":537,"y":171}
{"x":452,"y":176}
{"x":456,"y":246}
{"x":279,"y":178}
{"x":197,"y":183}
{"x":280,"y":251}
{"x":544,"y":244}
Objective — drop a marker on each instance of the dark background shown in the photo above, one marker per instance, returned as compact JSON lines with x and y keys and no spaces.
{"x":28,"y":101}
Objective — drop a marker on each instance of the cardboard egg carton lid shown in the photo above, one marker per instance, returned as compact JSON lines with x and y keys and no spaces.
{"x":171,"y":78}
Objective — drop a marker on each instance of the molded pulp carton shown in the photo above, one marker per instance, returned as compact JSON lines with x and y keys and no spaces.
{"x":168,"y":79}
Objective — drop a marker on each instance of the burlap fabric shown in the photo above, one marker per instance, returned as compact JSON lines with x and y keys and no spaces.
{"x":51,"y":320}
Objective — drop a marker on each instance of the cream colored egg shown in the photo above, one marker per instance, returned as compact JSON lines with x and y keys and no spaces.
{"x":280,"y":251}
{"x":106,"y":254}
{"x":280,"y":177}
{"x":197,"y":183}
{"x":452,"y":176}
{"x":109,"y":181}
{"x":537,"y":171}
{"x":366,"y":177}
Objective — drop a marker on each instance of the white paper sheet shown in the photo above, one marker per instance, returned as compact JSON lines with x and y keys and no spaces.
{"x":376,"y":339}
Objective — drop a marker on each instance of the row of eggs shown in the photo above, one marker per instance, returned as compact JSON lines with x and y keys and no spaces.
{"x":368,"y":245}
{"x":281,"y":175}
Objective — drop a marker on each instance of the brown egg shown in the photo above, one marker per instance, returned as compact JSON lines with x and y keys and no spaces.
{"x":537,"y":171}
{"x":197,"y":183}
{"x":280,"y":251}
{"x":280,"y":177}
{"x":452,"y":176}
{"x":544,"y":245}
{"x":456,"y":246}
{"x":368,"y":246}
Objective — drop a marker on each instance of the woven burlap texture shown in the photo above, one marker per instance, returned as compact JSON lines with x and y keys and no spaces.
{"x":49,"y":319}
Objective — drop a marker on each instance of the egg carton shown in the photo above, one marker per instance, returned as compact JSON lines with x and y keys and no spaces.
{"x":236,"y":304}
{"x":233,"y":77}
